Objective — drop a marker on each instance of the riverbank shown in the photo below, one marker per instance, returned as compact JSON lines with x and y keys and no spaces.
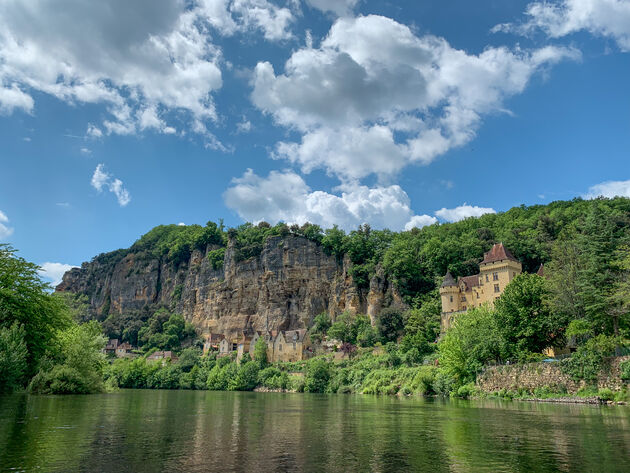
{"x":367,"y":372}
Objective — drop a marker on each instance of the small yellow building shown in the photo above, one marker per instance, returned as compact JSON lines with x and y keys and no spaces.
{"x":496,"y":271}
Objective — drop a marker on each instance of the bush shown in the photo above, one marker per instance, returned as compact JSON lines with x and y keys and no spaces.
{"x":605,"y":394}
{"x":466,"y":390}
{"x":317,"y":376}
{"x":246,"y":378}
{"x":624,"y":368}
{"x":61,"y":379}
{"x":443,"y":383}
{"x":587,"y":362}
{"x":273,"y":378}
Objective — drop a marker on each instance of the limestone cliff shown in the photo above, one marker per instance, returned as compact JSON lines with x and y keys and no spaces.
{"x":291,"y":281}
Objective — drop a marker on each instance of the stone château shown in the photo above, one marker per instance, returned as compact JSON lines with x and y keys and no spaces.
{"x":496,"y":271}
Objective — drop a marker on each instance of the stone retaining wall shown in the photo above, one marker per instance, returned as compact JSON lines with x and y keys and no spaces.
{"x":539,"y":375}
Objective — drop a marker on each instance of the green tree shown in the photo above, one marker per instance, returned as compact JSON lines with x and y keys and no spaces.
{"x":524,"y":319}
{"x":25,"y":300}
{"x":13,"y":357}
{"x":246,"y":378}
{"x":317,"y":376}
{"x":77,"y":364}
{"x":260,"y":352}
{"x":390,"y":324}
{"x":471,"y":342}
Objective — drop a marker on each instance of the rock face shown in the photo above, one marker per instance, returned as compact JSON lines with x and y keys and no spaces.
{"x":282,"y":289}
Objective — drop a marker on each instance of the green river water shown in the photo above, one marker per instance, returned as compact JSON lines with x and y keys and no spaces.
{"x":194,"y":431}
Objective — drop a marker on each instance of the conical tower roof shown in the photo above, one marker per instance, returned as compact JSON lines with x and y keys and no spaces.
{"x":449,"y":280}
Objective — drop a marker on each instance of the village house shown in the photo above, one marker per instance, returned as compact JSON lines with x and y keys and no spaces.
{"x":110,"y":347}
{"x":497,"y":269}
{"x":162,"y":356}
{"x":125,"y":350}
{"x":290,"y":345}
{"x":212,"y":342}
{"x":226,"y":347}
{"x":244,"y":345}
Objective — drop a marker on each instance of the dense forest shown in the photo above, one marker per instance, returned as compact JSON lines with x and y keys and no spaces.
{"x":583,"y":299}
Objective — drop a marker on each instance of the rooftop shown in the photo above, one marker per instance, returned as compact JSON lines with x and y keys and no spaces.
{"x":498,"y":253}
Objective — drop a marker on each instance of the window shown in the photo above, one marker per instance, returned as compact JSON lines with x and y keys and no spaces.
{"x":464,"y":308}
{"x":463,"y":298}
{"x":496,"y":288}
{"x":477,"y":295}
{"x":487,"y":279}
{"x":481,"y":281}
{"x":495,"y":276}
{"x":451,"y":298}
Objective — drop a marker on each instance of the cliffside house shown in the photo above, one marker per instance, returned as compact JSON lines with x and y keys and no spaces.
{"x":125,"y":350}
{"x":212,"y":342}
{"x":110,"y":347}
{"x":120,"y":350}
{"x":496,"y":270}
{"x":244,"y":344}
{"x":226,"y":347}
{"x":162,"y":356}
{"x":290,"y":345}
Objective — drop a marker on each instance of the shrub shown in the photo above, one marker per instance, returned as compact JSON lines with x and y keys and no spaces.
{"x":61,"y":379}
{"x":466,"y":390}
{"x":443,"y":383}
{"x":246,"y":378}
{"x":624,"y":368}
{"x":13,"y":356}
{"x":605,"y":394}
{"x":317,"y":376}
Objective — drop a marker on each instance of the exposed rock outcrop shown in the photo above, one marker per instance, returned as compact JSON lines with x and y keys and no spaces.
{"x":291,"y":281}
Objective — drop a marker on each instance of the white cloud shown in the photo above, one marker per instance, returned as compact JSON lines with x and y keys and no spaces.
{"x":11,"y":98}
{"x":463,"y":211}
{"x":375,"y":97}
{"x":231,"y":16}
{"x":103,"y":180}
{"x":419,"y":221}
{"x":340,"y":7}
{"x":54,"y":272}
{"x":606,"y":18}
{"x":145,"y":60}
{"x":86,"y":151}
{"x":244,"y":126}
{"x":609,"y":189}
{"x":5,"y":230}
{"x":284,"y":196}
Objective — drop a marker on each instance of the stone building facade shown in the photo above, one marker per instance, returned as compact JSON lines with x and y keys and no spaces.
{"x":497,"y":269}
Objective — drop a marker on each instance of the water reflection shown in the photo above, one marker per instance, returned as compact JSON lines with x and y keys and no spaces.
{"x":184,"y":431}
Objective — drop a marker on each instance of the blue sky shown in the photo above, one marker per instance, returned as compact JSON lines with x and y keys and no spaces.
{"x":119,"y":116}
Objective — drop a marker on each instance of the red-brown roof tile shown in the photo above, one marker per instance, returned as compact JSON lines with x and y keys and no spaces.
{"x":498,"y":253}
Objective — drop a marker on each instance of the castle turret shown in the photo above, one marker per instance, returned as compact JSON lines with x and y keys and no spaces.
{"x":449,"y":292}
{"x":497,"y":270}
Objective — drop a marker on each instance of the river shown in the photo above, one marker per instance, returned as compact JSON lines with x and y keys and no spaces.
{"x":198,"y":431}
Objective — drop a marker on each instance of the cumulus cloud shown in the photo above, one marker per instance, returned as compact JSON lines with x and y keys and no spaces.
{"x":609,"y":189}
{"x":285,"y":196}
{"x":102,"y":180}
{"x":375,"y":97}
{"x":419,"y":221}
{"x":339,"y":7}
{"x":5,"y":230}
{"x":54,"y":272}
{"x":606,"y":18}
{"x":463,"y":211}
{"x":144,"y":59}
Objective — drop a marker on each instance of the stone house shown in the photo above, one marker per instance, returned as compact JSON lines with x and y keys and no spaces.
{"x":244,"y":345}
{"x":162,"y":356}
{"x":226,"y":347}
{"x":125,"y":350}
{"x":290,"y":345}
{"x":212,"y":342}
{"x":497,"y":269}
{"x":110,"y":347}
